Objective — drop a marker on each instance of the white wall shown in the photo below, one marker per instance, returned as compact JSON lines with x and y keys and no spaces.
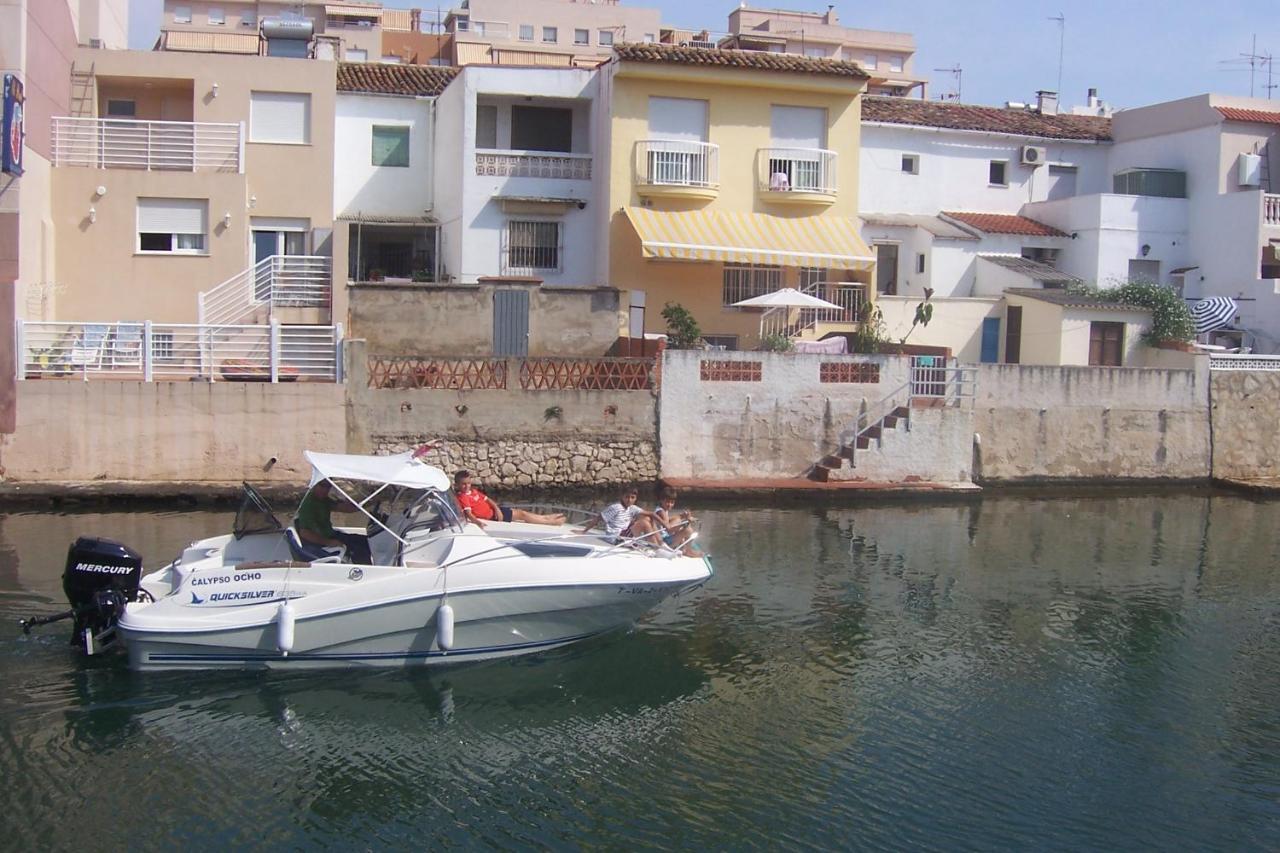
{"x":361,"y":187}
{"x":956,"y":323}
{"x":954,"y":170}
{"x":454,"y":125}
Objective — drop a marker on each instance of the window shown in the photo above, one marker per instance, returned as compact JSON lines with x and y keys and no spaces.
{"x":121,"y":108}
{"x":798,"y":134}
{"x":533,"y":245}
{"x":550,"y":35}
{"x":355,"y":54}
{"x":895,"y":64}
{"x":486,"y":126}
{"x":1042,"y":255}
{"x":721,"y":342}
{"x":816,"y":52}
{"x":1165,"y":183}
{"x":172,"y":225}
{"x":743,"y":281}
{"x":249,"y":19}
{"x":1062,"y":182}
{"x":526,"y":32}
{"x":811,"y":276}
{"x":582,"y":36}
{"x":1106,"y":344}
{"x":870,"y":61}
{"x":1142,"y":269}
{"x":541,"y":128}
{"x":649,"y":38}
{"x":996,"y":173}
{"x":887,"y":268}
{"x":182,"y":14}
{"x":911,"y":164}
{"x":920,"y":263}
{"x":280,"y":117}
{"x":606,"y":38}
{"x":392,"y":59}
{"x":217,"y":17}
{"x":390,"y":145}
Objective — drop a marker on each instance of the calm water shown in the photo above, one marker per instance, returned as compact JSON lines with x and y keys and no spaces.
{"x":1074,"y":674}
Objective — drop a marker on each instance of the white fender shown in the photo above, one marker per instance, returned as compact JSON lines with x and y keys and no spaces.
{"x":444,"y":627}
{"x":285,"y":617}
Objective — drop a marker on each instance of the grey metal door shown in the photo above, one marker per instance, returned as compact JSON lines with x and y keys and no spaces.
{"x":511,"y":323}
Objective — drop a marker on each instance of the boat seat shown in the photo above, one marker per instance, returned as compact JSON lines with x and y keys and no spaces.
{"x":306,"y":552}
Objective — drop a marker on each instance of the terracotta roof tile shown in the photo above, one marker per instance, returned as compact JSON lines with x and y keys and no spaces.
{"x":751,"y":59}
{"x":385,"y":79}
{"x":1067,"y":299}
{"x":1019,"y":122}
{"x":1003,"y":223}
{"x":1256,"y":116}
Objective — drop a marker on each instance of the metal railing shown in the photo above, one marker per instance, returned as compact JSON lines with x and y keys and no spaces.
{"x":792,"y":322}
{"x":1270,"y":209}
{"x":150,"y":352}
{"x":672,"y":163}
{"x":533,"y":164}
{"x":486,"y":29}
{"x":277,"y":281}
{"x":1244,"y":361}
{"x":934,"y":378}
{"x":797,"y":170}
{"x":179,"y":146}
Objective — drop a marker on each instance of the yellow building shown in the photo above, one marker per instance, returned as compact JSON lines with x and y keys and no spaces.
{"x":732,"y":174}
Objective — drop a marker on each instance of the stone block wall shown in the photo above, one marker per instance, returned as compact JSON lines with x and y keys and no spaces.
{"x":1246,"y":429}
{"x":534,"y":461}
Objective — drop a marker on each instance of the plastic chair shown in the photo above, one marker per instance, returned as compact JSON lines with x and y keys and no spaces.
{"x":305,"y":552}
{"x":126,"y":345}
{"x":86,"y":350}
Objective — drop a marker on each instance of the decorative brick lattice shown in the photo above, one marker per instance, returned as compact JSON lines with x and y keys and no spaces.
{"x":856,"y":372}
{"x":730,"y":371}
{"x":533,"y":166}
{"x":448,"y":373}
{"x":587,"y":374}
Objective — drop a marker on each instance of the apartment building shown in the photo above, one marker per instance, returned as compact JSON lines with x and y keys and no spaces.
{"x":350,"y":31}
{"x":732,"y":174}
{"x":545,"y":32}
{"x":889,"y":58}
{"x":194,"y":189}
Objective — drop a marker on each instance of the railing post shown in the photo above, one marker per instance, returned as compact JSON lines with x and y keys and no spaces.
{"x":147,"y":372}
{"x":200,"y":308}
{"x":275,"y":349}
{"x":240,"y":151}
{"x":20,"y":345}
{"x":339,"y":368}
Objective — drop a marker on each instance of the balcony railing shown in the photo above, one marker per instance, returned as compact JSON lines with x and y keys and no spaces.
{"x":533,"y":164}
{"x":150,"y":352}
{"x":1271,"y":209}
{"x":484,"y":29}
{"x":176,"y":146}
{"x":790,"y":322}
{"x":672,"y":163}
{"x":797,"y":170}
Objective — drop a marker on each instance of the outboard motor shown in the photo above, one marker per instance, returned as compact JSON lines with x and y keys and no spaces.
{"x":99,"y":579}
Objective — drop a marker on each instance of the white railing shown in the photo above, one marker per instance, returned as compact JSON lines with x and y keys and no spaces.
{"x":933,"y":378}
{"x":1244,"y":361}
{"x":487,"y":29}
{"x":534,"y":164}
{"x":149,"y":352}
{"x":277,"y":281}
{"x":792,"y":322}
{"x":797,"y":170}
{"x":671,"y":163}
{"x":180,"y":146}
{"x":1270,"y":209}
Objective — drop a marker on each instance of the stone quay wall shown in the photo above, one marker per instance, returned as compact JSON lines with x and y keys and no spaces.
{"x":1246,"y":426}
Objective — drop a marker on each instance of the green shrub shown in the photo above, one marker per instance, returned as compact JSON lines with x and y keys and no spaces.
{"x":683,"y":331}
{"x":1170,"y":318}
{"x":776,"y":343}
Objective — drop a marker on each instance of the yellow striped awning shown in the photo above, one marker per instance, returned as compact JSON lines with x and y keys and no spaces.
{"x":830,"y":242}
{"x":211,"y":42}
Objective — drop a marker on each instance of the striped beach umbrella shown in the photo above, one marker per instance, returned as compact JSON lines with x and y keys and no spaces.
{"x":1213,"y":313}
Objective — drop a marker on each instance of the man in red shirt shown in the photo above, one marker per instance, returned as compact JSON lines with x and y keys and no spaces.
{"x":479,"y":507}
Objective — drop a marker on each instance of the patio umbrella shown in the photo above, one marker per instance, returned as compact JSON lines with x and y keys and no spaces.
{"x":1213,"y":313}
{"x":787,"y":297}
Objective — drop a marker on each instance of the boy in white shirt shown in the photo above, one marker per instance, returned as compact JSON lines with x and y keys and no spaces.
{"x":625,"y":520}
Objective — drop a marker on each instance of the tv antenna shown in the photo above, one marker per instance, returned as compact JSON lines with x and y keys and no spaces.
{"x":1255,"y":61}
{"x":1062,"y":42}
{"x":957,"y":72}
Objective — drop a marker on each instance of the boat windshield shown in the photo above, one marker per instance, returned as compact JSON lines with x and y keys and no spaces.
{"x":406,"y":510}
{"x":254,"y":515}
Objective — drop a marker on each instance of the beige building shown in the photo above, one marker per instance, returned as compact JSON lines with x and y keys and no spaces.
{"x":545,"y":32}
{"x":349,"y":30}
{"x":174,"y":174}
{"x":887,"y":57}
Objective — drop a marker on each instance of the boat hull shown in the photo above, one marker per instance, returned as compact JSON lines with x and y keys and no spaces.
{"x":488,"y":624}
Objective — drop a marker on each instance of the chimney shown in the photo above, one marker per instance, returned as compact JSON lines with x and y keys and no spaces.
{"x":1047,"y":103}
{"x":1093,"y":99}
{"x":830,"y":17}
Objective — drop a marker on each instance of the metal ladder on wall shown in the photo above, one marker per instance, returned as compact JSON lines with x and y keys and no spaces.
{"x":83,"y":92}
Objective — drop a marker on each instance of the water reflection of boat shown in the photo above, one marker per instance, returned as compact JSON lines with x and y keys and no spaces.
{"x":436,"y":590}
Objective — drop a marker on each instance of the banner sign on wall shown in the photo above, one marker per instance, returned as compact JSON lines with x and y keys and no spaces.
{"x":13,"y":101}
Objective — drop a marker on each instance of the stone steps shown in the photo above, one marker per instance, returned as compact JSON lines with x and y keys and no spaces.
{"x":842,"y":465}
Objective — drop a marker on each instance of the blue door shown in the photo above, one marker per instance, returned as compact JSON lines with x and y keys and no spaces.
{"x":990,"y":340}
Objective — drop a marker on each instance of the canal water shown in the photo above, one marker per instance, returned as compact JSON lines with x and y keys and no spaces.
{"x":1058,"y":674}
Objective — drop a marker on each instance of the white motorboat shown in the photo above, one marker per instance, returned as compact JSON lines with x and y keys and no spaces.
{"x":437,"y":590}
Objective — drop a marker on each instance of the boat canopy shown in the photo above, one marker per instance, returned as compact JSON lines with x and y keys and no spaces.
{"x":402,"y":469}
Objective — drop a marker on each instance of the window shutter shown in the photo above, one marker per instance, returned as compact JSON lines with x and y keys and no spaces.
{"x":486,"y":126}
{"x":799,"y":127}
{"x":172,"y":216}
{"x":680,"y":119}
{"x":279,"y":117}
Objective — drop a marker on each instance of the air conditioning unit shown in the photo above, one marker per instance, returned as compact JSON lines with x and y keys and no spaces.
{"x":1249,"y":170}
{"x":1033,"y":155}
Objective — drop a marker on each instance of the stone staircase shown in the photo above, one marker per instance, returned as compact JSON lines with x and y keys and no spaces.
{"x":878,"y":437}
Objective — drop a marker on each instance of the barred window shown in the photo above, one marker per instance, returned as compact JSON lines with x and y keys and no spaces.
{"x":743,"y":281}
{"x":533,"y":245}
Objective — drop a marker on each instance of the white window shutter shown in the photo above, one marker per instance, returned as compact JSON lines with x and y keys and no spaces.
{"x":280,"y":117}
{"x":173,"y":215}
{"x":680,"y":119}
{"x":799,"y":127}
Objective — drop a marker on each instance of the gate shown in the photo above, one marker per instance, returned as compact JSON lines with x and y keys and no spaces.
{"x":511,"y":323}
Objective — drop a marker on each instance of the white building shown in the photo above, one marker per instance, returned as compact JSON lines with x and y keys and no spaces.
{"x":515,"y":174}
{"x":383,"y":180}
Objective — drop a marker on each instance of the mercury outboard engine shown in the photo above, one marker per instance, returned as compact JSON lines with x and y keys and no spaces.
{"x":99,"y":579}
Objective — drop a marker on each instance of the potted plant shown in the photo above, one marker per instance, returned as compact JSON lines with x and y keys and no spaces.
{"x":776,"y":343}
